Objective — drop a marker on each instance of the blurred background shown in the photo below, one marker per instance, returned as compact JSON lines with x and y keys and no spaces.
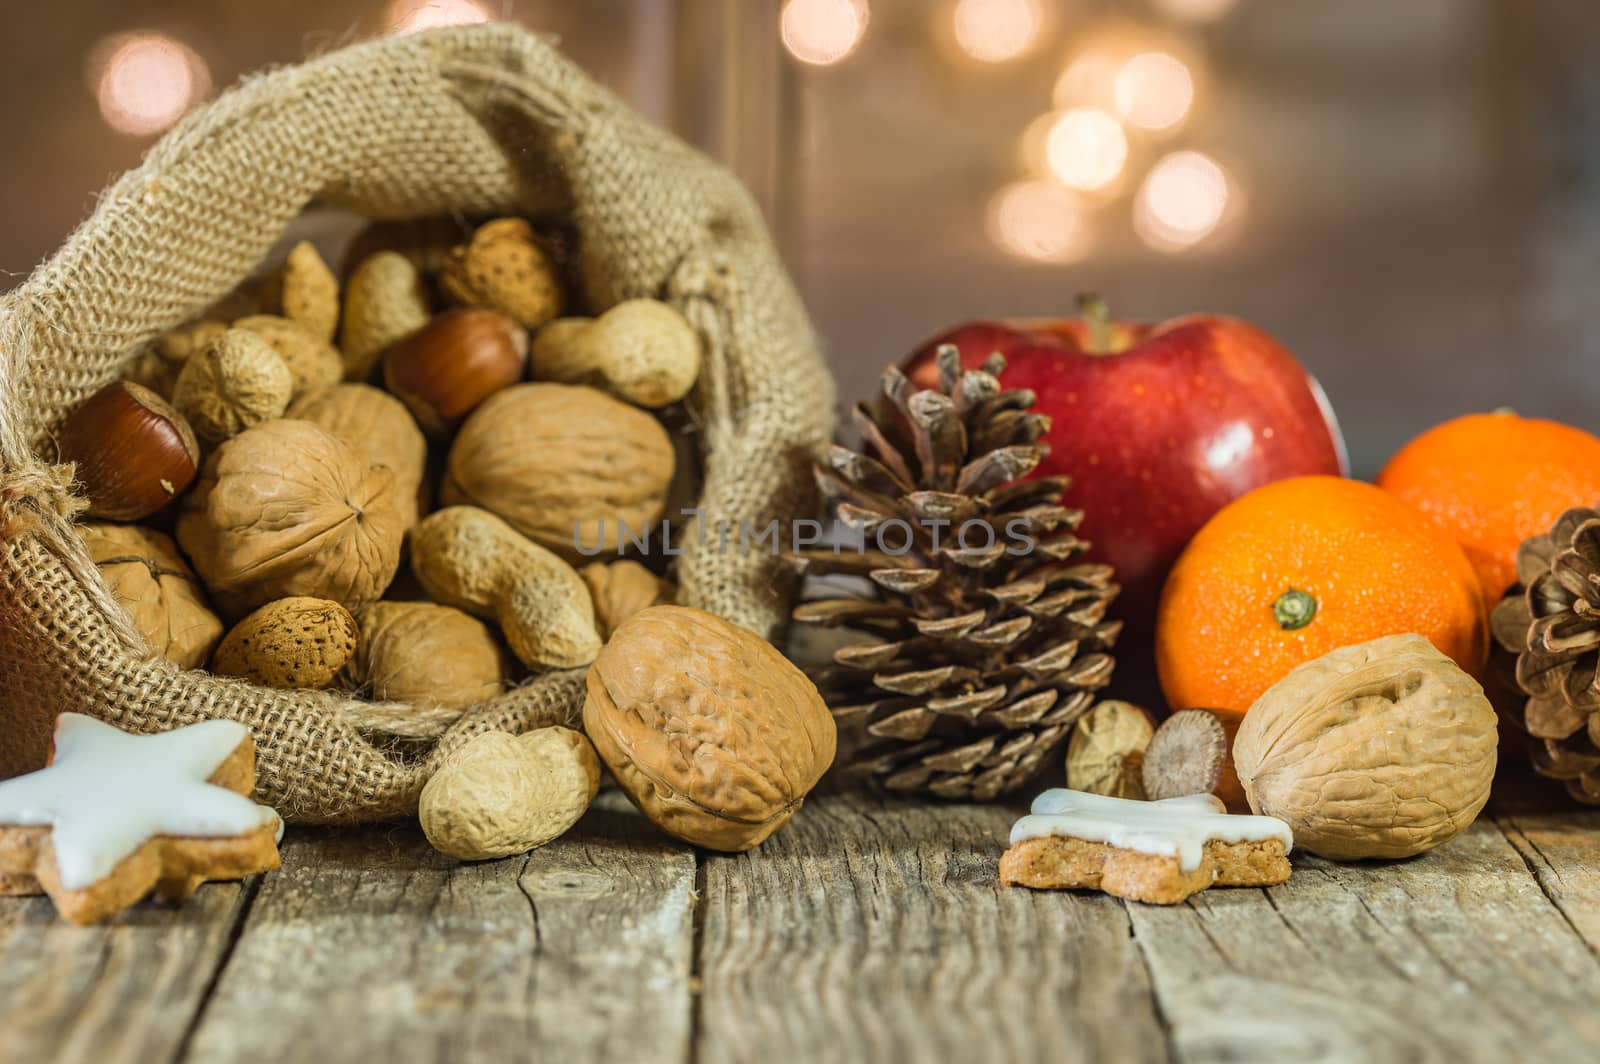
{"x":1407,"y":194}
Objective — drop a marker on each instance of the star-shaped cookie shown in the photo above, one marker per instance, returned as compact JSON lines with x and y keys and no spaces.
{"x":115,"y":816}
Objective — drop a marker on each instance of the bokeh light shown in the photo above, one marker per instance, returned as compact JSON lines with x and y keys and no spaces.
{"x":1038,"y":220}
{"x":1195,"y":10}
{"x":1154,"y":90}
{"x":1086,"y":149}
{"x":1183,"y":200}
{"x":993,"y":31}
{"x":412,"y":16}
{"x":146,"y":81}
{"x":821,"y":32}
{"x":1088,"y":78}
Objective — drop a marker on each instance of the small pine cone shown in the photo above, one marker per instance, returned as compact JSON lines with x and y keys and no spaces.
{"x":1551,"y":621}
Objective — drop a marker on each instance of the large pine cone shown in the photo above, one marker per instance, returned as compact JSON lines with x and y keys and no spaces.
{"x":975,"y":661}
{"x":1551,"y":621}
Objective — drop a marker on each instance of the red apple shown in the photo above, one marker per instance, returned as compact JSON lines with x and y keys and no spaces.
{"x":1159,"y":426}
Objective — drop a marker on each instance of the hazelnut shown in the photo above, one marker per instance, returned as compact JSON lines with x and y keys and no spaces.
{"x":712,"y":733}
{"x":134,"y":453}
{"x":454,"y":363}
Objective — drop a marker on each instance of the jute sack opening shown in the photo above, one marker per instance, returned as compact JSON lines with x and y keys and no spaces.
{"x":478,"y":120}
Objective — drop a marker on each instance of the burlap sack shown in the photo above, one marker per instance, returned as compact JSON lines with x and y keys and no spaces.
{"x":468,"y":121}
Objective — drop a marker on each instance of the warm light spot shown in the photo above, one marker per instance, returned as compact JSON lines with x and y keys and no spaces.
{"x":1086,"y":148}
{"x":1195,"y":10}
{"x":822,"y":31}
{"x":145,"y":82}
{"x":1154,"y":90}
{"x":1038,"y":220}
{"x":1182,"y":201}
{"x":993,"y":31}
{"x":1088,"y":79}
{"x":411,"y":16}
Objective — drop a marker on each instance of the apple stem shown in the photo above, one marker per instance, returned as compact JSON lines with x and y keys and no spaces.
{"x":1097,"y":317}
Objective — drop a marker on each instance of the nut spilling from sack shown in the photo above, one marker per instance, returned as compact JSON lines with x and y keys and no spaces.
{"x":381,"y":480}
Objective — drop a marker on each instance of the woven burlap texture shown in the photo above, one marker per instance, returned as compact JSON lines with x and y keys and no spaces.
{"x":467,"y":121}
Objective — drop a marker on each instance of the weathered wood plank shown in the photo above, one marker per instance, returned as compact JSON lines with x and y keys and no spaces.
{"x":1455,"y":955}
{"x":369,"y":945}
{"x":1562,"y":850}
{"x":126,"y":990}
{"x":871,"y":931}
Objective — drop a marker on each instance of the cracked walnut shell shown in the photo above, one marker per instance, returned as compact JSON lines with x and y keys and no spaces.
{"x":712,"y":732}
{"x":1383,"y":749}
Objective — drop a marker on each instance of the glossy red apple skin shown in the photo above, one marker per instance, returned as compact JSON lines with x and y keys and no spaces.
{"x":1193,"y":413}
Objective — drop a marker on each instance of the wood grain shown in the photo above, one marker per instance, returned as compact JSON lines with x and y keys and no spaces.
{"x":1562,"y":851}
{"x":126,"y":990}
{"x":866,"y":931}
{"x":371,"y":946}
{"x":1455,"y":955}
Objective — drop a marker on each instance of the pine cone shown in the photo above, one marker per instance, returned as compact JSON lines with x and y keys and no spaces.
{"x":978,"y":656}
{"x":1551,"y":621}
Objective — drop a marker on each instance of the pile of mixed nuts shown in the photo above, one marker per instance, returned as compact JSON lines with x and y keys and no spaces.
{"x":256,"y":477}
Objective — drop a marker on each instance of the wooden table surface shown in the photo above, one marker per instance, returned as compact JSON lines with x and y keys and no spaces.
{"x":864,"y":931}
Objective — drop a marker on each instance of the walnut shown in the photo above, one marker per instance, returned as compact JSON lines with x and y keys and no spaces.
{"x":565,"y":465}
{"x":314,"y":363}
{"x":712,"y":733}
{"x":1384,"y":749}
{"x":621,"y":589}
{"x":428,"y":656}
{"x":378,"y":426}
{"x":158,"y":589}
{"x":285,"y":509}
{"x":157,"y":368}
{"x":236,"y":382}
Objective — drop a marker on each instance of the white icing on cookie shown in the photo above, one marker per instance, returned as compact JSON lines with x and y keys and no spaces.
{"x":107,"y":792}
{"x":1172,"y":827}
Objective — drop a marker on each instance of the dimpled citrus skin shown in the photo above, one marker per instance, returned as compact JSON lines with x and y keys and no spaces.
{"x":712,"y":732}
{"x":1374,"y":565}
{"x":1494,"y":480}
